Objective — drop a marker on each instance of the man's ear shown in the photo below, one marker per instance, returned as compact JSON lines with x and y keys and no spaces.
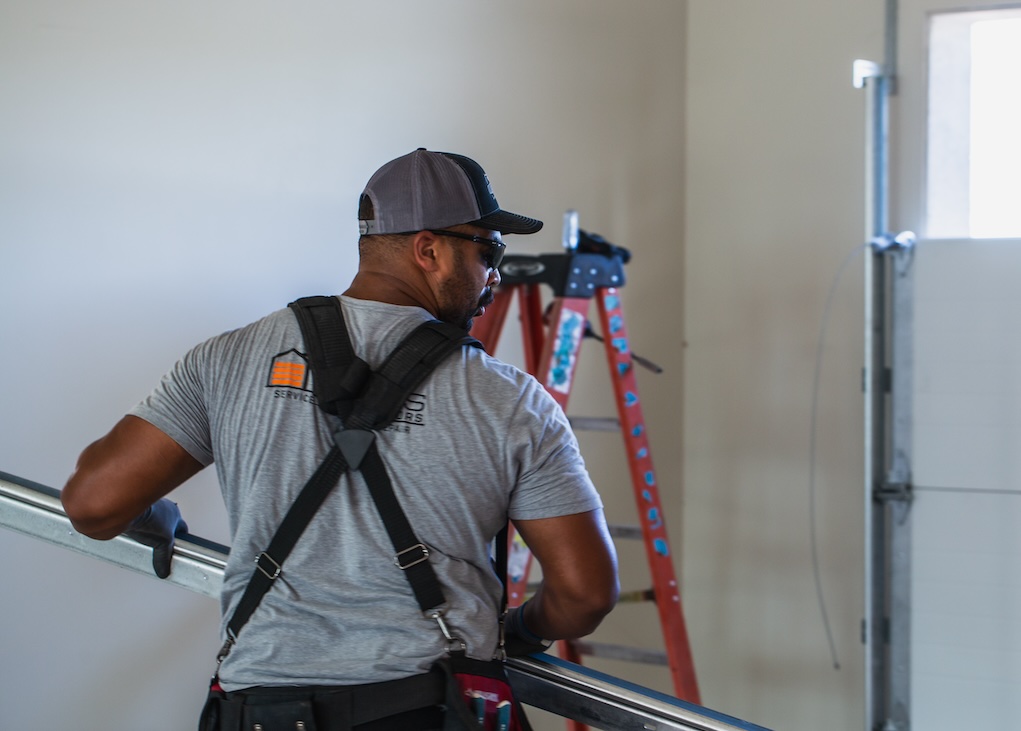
{"x":425,"y":250}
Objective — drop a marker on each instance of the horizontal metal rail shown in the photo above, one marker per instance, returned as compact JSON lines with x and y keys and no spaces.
{"x":35,"y":510}
{"x":545,"y":682}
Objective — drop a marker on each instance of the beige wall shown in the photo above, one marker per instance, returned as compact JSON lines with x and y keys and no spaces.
{"x":775,"y":179}
{"x":200,"y":161}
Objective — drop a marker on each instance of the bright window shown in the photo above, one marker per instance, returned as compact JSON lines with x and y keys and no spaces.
{"x":974,"y":143}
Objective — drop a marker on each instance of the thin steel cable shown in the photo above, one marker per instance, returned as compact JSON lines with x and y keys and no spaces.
{"x":812,"y":452}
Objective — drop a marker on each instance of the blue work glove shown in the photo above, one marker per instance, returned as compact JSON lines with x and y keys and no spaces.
{"x":518,"y":640}
{"x":156,"y":527}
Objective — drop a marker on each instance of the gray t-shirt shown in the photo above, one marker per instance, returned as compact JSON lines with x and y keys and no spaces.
{"x":482,"y":441}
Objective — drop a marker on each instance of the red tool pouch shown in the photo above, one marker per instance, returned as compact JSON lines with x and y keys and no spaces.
{"x":479,"y":696}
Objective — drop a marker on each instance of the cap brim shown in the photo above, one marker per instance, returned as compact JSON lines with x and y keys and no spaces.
{"x":509,"y":223}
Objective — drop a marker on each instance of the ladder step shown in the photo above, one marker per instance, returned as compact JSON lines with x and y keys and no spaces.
{"x":638,"y":595}
{"x":634,"y":532}
{"x":620,"y":652}
{"x":594,"y":423}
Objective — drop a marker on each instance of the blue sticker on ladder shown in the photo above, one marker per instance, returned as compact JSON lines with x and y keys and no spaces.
{"x":661,"y":547}
{"x":564,"y":351}
{"x":650,"y":479}
{"x":630,"y":399}
{"x":643,"y":453}
{"x":616,"y":323}
{"x":647,"y":495}
{"x":620,"y":344}
{"x":655,"y":522}
{"x":611,"y":301}
{"x":637,"y":431}
{"x":623,"y":368}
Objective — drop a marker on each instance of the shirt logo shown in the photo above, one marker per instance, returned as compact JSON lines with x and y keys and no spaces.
{"x":290,"y":370}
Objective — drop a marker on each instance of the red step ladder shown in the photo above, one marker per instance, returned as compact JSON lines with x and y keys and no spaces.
{"x":591,"y":269}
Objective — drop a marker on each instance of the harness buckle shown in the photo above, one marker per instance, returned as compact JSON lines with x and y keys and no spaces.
{"x":275,"y":566}
{"x":399,"y":561}
{"x":454,"y":644}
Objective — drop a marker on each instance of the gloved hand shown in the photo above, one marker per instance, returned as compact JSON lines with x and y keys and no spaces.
{"x":157,"y":527}
{"x":518,"y":640}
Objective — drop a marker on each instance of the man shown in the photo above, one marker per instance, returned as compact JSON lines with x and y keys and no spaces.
{"x":483,"y":441}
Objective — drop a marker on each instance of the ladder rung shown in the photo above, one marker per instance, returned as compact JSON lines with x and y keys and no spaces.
{"x":638,"y":595}
{"x":633,"y":532}
{"x":620,"y":652}
{"x":594,"y":423}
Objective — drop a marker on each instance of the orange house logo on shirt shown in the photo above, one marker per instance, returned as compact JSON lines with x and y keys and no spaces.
{"x":290,"y":370}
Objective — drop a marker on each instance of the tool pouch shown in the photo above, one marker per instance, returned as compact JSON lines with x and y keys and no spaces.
{"x":283,"y":715}
{"x":215,"y":710}
{"x":479,"y":696}
{"x":267,"y":713}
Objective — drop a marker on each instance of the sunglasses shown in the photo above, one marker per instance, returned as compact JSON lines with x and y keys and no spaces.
{"x":493,"y":255}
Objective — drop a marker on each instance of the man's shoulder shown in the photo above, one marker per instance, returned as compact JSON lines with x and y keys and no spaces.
{"x":504,"y":382}
{"x":278,"y":319}
{"x":232,"y":346}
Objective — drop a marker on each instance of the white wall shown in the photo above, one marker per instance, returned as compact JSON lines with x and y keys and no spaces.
{"x":170,"y":170}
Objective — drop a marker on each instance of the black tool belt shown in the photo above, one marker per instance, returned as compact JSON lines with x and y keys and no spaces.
{"x":396,"y":705}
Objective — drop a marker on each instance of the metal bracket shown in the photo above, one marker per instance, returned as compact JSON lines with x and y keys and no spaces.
{"x":894,"y":492}
{"x":862,"y":70}
{"x":899,"y":247}
{"x":897,"y":487}
{"x":903,"y":241}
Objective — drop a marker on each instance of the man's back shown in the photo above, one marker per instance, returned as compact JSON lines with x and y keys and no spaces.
{"x":466,"y":451}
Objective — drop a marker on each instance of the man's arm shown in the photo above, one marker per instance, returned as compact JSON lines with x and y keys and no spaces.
{"x":119,"y":476}
{"x":579,"y":574}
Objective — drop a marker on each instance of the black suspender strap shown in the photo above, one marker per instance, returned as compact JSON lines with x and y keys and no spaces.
{"x":268,"y":563}
{"x":406,"y":367}
{"x":338,"y":374}
{"x":410,"y":554}
{"x":364,"y":400}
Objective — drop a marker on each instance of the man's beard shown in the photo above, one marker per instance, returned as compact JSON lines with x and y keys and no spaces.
{"x":460,"y":289}
{"x":484,"y":301}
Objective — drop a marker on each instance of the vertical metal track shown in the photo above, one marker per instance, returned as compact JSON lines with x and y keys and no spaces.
{"x":887,"y":410}
{"x":872,"y":76}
